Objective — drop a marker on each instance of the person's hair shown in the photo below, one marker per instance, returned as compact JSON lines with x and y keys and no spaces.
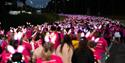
{"x":67,"y":39}
{"x":14,"y":43}
{"x":38,"y":36}
{"x":98,"y":34}
{"x":18,"y":29}
{"x":45,"y":29}
{"x":91,"y":44}
{"x":53,"y":28}
{"x":83,"y":51}
{"x":48,"y":50}
{"x":16,"y":57}
{"x":58,"y":28}
{"x":83,"y":44}
{"x":67,"y":29}
{"x":48,"y":46}
{"x":74,"y":38}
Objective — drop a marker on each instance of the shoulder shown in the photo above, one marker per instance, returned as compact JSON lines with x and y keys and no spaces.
{"x":56,"y":58}
{"x":38,"y":49}
{"x":58,"y":49}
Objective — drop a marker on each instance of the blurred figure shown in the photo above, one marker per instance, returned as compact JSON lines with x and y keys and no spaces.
{"x":13,"y":53}
{"x":101,"y":48}
{"x":83,"y":54}
{"x":28,"y":48}
{"x":48,"y":55}
{"x":65,"y":49}
{"x":37,"y":53}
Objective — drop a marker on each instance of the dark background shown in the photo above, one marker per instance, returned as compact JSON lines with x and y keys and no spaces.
{"x":107,"y":8}
{"x":91,"y":7}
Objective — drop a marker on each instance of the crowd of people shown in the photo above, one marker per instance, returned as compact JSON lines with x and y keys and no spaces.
{"x":76,"y":39}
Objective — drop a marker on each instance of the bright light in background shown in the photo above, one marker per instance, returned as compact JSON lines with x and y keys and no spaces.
{"x":19,"y":3}
{"x":37,"y":3}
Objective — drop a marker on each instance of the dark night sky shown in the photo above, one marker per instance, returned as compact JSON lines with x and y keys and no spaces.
{"x":89,"y":7}
{"x":92,"y":7}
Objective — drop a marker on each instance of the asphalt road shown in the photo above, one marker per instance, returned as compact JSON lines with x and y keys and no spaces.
{"x":117,"y":54}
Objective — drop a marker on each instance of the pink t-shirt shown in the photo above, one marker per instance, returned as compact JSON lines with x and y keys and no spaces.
{"x":26,"y":51}
{"x":26,"y":54}
{"x":27,"y":46}
{"x":29,"y":33}
{"x":100,"y":48}
{"x":5,"y":56}
{"x":4,"y":44}
{"x":54,"y":59}
{"x":37,"y":44}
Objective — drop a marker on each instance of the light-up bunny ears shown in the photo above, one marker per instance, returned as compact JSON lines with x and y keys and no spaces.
{"x":12,"y":50}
